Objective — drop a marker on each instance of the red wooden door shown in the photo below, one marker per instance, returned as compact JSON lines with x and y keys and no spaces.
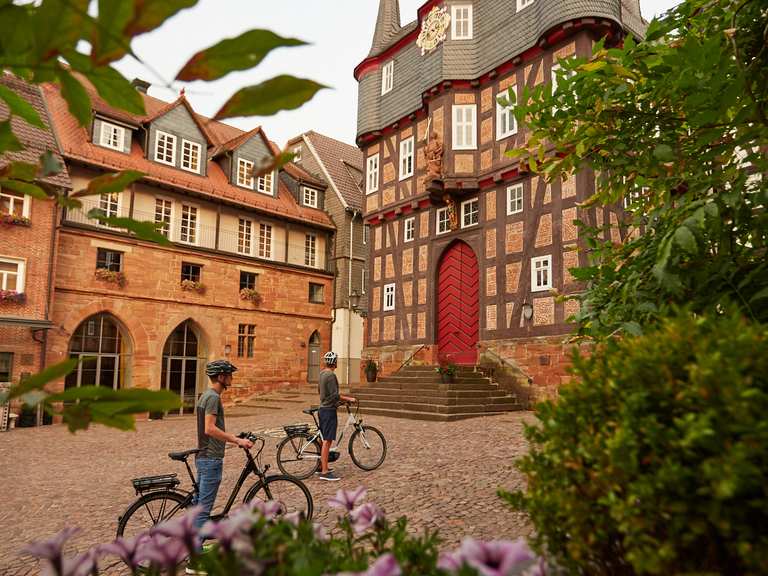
{"x":458,"y":304}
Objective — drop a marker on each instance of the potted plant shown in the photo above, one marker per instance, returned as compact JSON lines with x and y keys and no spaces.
{"x":447,"y":372}
{"x":110,"y":276}
{"x":192,"y":286}
{"x":251,"y":295}
{"x":371,"y":369}
{"x":12,"y":296}
{"x":14,"y":220}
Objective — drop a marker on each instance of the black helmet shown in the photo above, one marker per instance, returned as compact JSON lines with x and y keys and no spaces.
{"x":217,"y":367}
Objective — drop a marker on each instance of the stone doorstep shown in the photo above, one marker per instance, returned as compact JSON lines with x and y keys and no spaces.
{"x":434,"y":378}
{"x":442,"y":409}
{"x":369,"y":400}
{"x":486,"y":386}
{"x":436,"y":416}
{"x":365,"y":392}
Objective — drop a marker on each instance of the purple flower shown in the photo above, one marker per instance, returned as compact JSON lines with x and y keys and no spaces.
{"x":365,"y":516}
{"x":293,"y":518}
{"x":269,"y":509}
{"x":385,"y":565}
{"x":450,"y":562}
{"x":495,"y":558}
{"x":51,"y":549}
{"x":320,"y":532}
{"x":129,"y":550}
{"x":347,"y":500}
{"x":164,"y":552}
{"x":81,"y":565}
{"x":181,"y":529}
{"x":231,"y":530}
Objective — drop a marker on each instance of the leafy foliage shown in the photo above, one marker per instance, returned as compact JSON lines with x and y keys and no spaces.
{"x":676,"y":127}
{"x":280,"y":93}
{"x":655,"y":463}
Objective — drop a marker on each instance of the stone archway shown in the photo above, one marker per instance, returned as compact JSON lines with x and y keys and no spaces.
{"x":313,"y":359}
{"x":183,"y":365}
{"x":458,"y":304}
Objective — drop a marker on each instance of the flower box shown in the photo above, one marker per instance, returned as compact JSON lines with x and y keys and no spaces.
{"x":11,"y":296}
{"x":251,"y":295}
{"x":14,"y":220}
{"x":110,"y":276}
{"x":192,"y":286}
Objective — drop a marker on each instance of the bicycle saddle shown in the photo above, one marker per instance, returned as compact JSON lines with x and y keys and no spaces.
{"x":311,"y":410}
{"x":182,"y":456}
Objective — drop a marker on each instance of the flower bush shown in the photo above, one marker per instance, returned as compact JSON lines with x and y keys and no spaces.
{"x":371,"y":364}
{"x":449,"y":369}
{"x":192,"y":286}
{"x":14,"y":220}
{"x":257,"y":540}
{"x":251,"y":295}
{"x":110,"y":276}
{"x":12,"y":296}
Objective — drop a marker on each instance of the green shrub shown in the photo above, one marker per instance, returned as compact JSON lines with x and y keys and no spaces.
{"x":657,"y":461}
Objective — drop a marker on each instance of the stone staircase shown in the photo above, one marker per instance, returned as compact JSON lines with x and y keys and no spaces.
{"x":417,"y":393}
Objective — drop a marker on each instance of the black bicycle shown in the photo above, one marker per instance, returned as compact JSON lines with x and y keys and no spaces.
{"x":160,"y":499}
{"x":298,"y":455}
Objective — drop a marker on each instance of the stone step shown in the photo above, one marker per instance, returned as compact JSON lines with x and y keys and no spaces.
{"x":434,"y":416}
{"x":440,"y":408}
{"x":434,"y":378}
{"x":370,"y":399}
{"x":436,"y":386}
{"x":361,"y":392}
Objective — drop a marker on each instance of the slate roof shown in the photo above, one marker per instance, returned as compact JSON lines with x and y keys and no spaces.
{"x":76,"y":145}
{"x":35,"y":140}
{"x":387,"y":26}
{"x":500,"y":34}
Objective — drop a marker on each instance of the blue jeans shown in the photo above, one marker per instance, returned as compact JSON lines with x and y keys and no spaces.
{"x":209,"y":471}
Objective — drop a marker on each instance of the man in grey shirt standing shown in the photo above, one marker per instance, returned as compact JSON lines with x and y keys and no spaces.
{"x":328,"y":386}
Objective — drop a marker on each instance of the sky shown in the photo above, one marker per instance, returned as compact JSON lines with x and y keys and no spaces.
{"x":339,"y":33}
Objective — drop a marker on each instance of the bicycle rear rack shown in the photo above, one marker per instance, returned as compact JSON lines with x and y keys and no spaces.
{"x":161,"y":482}
{"x":296,"y":428}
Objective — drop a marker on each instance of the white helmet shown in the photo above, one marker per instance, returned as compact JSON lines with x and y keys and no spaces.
{"x":330,"y":358}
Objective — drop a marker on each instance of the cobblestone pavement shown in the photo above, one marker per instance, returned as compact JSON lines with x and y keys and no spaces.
{"x":443,"y":475}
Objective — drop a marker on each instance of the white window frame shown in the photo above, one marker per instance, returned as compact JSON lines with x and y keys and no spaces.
{"x":21,"y":274}
{"x":248,"y":181}
{"x":546,"y":268}
{"x":26,"y":201}
{"x":196,"y":239}
{"x":464,"y":126}
{"x":366,"y":232}
{"x":438,"y":216}
{"x":296,"y":153}
{"x":263,"y":180}
{"x":171,"y":139}
{"x":464,"y":205}
{"x":188,"y":143}
{"x":503,"y":112}
{"x":387,"y":77}
{"x":115,"y":131}
{"x":310,"y":250}
{"x":455,"y":32}
{"x":515,"y":199}
{"x":522,"y":4}
{"x":362,"y":280}
{"x":117,"y":197}
{"x":406,"y":158}
{"x":245,"y":227}
{"x":409,"y":229}
{"x":309,"y":196}
{"x":372,"y":174}
{"x":266,"y":227}
{"x":389,"y":297}
{"x":170,"y":222}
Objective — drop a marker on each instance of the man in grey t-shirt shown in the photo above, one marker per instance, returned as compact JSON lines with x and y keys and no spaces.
{"x":328,"y":386}
{"x":211,"y":437}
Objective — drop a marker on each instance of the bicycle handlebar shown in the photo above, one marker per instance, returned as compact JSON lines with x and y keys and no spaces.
{"x":253,"y":437}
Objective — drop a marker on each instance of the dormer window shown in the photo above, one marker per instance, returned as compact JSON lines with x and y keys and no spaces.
{"x":190,"y":156}
{"x":112,"y":136}
{"x":165,"y":148}
{"x":296,"y":154}
{"x":387,"y":77}
{"x":245,"y":173}
{"x":310,"y":197}
{"x":264,"y":183}
{"x":461,"y":22}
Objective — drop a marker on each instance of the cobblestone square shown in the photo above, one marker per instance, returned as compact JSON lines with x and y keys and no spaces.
{"x":443,"y":475}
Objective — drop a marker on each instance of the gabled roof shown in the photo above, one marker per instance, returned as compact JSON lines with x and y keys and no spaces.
{"x":76,"y":145}
{"x":337,"y":158}
{"x":298,"y":173}
{"x":180,"y":101}
{"x":36,"y":140}
{"x":241,"y":139}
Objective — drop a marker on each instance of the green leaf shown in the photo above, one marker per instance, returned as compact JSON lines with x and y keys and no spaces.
{"x":76,"y":96}
{"x":24,"y":188}
{"x":685,"y":239}
{"x":593,"y":66}
{"x":664,"y":153}
{"x":241,"y":53}
{"x":49,"y":164}
{"x":265,"y":99}
{"x":39,"y":380}
{"x":761,"y":295}
{"x":58,"y":25}
{"x":8,"y":140}
{"x":143,"y":230}
{"x":20,"y":107}
{"x":632,"y":328}
{"x":19,"y":171}
{"x":123,"y":401}
{"x":149,"y":14}
{"x":116,"y":90}
{"x":109,"y":183}
{"x":107,"y":38}
{"x":77,"y":417}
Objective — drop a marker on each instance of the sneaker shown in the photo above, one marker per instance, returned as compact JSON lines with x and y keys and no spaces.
{"x":330,"y":476}
{"x":190,"y":570}
{"x":318,"y":473}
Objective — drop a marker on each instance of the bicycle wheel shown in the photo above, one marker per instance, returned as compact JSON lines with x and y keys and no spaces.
{"x":150,"y":509}
{"x":367,"y":447}
{"x":295,"y":461}
{"x":291,"y":493}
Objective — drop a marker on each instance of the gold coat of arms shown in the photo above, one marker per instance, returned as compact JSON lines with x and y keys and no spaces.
{"x":433,"y":29}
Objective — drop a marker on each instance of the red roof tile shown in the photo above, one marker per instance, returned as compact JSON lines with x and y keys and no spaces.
{"x":76,"y":145}
{"x":299,"y":173}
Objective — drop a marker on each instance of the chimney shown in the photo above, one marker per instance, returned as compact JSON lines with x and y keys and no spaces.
{"x":387,"y":26}
{"x":141,"y":85}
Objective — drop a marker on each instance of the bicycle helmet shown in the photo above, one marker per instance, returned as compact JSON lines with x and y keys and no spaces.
{"x":330,"y":358}
{"x":217,"y":367}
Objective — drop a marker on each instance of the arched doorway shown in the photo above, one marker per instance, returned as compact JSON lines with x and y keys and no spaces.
{"x":458,"y":284}
{"x":182,"y":366}
{"x":103,"y":348}
{"x":313,"y":362}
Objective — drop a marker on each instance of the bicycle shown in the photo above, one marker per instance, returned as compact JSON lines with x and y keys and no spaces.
{"x":160,"y":499}
{"x":298,"y":455}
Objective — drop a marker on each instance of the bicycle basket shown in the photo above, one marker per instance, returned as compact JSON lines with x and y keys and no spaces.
{"x":291,"y":429}
{"x":162,"y":482}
